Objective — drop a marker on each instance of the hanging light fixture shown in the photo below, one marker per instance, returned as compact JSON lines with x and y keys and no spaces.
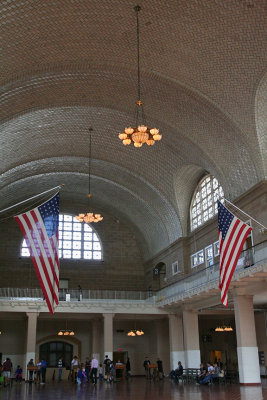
{"x":224,"y":328}
{"x":66,"y":332}
{"x":135,"y":332}
{"x":90,"y":216}
{"x":141,"y":133}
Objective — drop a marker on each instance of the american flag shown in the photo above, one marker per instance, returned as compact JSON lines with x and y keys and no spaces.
{"x":40,"y":230}
{"x":232,"y":236}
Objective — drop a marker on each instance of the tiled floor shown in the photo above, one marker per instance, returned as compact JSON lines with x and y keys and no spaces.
{"x":135,"y":389}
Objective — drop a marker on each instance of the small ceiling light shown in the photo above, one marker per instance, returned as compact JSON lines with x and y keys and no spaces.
{"x":141,"y":133}
{"x":89,"y":217}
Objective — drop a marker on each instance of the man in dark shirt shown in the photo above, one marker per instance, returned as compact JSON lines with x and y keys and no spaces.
{"x":146,"y":366}
{"x":7,"y":367}
{"x":160,"y":369}
{"x":179,"y":371}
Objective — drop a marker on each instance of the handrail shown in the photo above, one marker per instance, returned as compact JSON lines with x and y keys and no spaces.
{"x":255,"y":255}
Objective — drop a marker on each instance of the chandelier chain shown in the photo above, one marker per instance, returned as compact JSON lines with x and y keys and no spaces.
{"x":137,"y":9}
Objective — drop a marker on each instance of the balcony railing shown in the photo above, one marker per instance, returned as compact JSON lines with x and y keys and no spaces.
{"x":74,"y":295}
{"x":201,"y":278}
{"x":197,"y":280}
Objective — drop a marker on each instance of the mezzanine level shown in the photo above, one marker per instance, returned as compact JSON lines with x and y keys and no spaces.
{"x":198,"y":287}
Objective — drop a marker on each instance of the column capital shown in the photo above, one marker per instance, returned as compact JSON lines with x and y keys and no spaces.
{"x":32,"y":314}
{"x":108,"y":315}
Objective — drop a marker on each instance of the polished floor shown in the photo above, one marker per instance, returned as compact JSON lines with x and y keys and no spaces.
{"x":134,"y":389}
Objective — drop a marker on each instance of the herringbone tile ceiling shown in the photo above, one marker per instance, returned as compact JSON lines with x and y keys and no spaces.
{"x":68,"y":65}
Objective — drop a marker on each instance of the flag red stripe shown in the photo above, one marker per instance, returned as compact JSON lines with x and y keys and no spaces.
{"x":223,"y":269}
{"x":49,"y":257}
{"x":232,"y":248}
{"x":36,"y":267}
{"x":26,"y":219}
{"x":234,"y":264}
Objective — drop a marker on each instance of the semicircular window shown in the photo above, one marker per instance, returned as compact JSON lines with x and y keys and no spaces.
{"x":204,"y":202}
{"x":76,"y":240}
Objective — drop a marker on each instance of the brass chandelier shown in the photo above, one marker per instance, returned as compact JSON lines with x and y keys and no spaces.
{"x":141,"y":133}
{"x":89,"y":216}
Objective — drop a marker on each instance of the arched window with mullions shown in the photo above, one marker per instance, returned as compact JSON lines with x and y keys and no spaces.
{"x":76,"y":240}
{"x":204,"y":202}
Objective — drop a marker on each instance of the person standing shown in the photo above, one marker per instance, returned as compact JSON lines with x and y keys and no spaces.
{"x":146,"y":366}
{"x":60,"y":369}
{"x":43,"y":371}
{"x":30,"y":364}
{"x":160,"y":369}
{"x":107,"y":363}
{"x":100,"y":373}
{"x":94,"y":366}
{"x":7,"y":368}
{"x":128,"y":368}
{"x":87,"y":368}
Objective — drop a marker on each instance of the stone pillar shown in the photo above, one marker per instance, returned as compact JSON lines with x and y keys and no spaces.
{"x":108,"y":335}
{"x":30,"y":340}
{"x":176,"y":338}
{"x":96,"y":339}
{"x":191,"y":339}
{"x":247,"y":350}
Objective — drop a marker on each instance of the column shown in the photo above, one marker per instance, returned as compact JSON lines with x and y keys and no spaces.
{"x":176,"y":338}
{"x":191,"y":339}
{"x":96,"y":339}
{"x":108,"y":335}
{"x":247,"y":350}
{"x":30,"y":339}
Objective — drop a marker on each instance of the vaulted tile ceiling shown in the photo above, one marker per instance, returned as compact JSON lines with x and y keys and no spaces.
{"x":68,"y":65}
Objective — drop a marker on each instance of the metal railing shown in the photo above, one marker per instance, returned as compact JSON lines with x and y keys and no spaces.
{"x":74,"y":295}
{"x":248,"y":258}
{"x":253,"y":256}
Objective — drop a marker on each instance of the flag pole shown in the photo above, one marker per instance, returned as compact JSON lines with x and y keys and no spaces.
{"x":245,"y":213}
{"x":31,"y":198}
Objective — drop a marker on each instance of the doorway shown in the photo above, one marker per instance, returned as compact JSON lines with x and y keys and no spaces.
{"x":120,"y":356}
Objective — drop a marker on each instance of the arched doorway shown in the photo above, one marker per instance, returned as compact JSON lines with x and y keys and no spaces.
{"x":52,"y":351}
{"x":159,"y":276}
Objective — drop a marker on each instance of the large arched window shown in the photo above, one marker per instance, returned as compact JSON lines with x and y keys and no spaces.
{"x":76,"y":240}
{"x":204,"y":202}
{"x":53,"y":351}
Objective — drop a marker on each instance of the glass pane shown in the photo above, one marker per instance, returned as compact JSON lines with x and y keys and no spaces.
{"x":87,"y":245}
{"x":87,"y":255}
{"x":60,"y":226}
{"x":95,"y":238}
{"x":25,"y":252}
{"x":67,"y":244}
{"x":204,"y":205}
{"x":59,"y":346}
{"x":96,"y":246}
{"x":77,"y":235}
{"x":67,"y":226}
{"x":87,"y":228}
{"x":60,"y":234}
{"x":209,"y":201}
{"x":77,"y":227}
{"x":66,"y":253}
{"x":198,"y":197}
{"x":60,"y":253}
{"x":67,"y":218}
{"x":52,"y":359}
{"x":77,"y":245}
{"x":201,"y":257}
{"x":67,"y":235}
{"x":53,"y":346}
{"x":76,"y":254}
{"x":87,"y":236}
{"x":215,"y":183}
{"x":97,"y":255}
{"x":68,"y":347}
{"x":205,"y":216}
{"x":60,"y":217}
{"x":60,"y":244}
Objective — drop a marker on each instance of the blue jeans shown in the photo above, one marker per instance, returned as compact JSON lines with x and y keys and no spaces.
{"x":59,"y":374}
